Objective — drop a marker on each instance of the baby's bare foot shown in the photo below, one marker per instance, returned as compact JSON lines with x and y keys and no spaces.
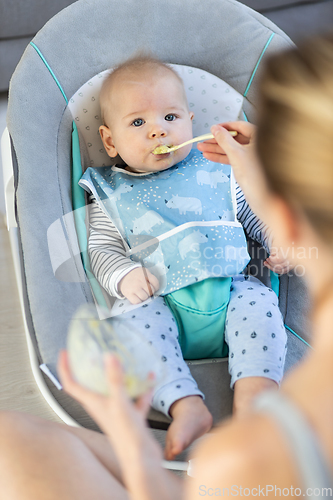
{"x":191,"y":419}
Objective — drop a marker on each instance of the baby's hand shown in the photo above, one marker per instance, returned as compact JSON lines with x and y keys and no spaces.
{"x":138,"y":285}
{"x":277,"y":262}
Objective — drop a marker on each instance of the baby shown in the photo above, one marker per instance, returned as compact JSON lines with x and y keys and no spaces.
{"x":144,"y":105}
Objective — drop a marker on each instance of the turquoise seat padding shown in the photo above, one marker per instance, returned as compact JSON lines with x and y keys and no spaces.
{"x":77,"y":193}
{"x":275,"y":282}
{"x":200,"y":312}
{"x":79,"y":205}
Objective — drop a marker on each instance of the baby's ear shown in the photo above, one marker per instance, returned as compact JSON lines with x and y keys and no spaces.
{"x":106,"y":137}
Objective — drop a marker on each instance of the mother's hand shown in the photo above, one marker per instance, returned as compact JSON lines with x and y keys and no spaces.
{"x":240,"y":153}
{"x":122,"y":420}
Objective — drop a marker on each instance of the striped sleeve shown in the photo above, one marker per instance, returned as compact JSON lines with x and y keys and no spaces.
{"x":253,"y":226}
{"x":107,"y":251}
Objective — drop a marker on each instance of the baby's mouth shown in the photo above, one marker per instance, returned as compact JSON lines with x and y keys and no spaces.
{"x":161,"y":150}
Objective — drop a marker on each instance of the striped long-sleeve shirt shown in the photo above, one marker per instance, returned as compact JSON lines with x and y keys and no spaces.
{"x":107,"y":251}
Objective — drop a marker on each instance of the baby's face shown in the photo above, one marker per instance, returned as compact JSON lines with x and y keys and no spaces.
{"x":146,"y":112}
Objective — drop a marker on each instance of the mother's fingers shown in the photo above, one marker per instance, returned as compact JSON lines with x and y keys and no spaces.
{"x":217,"y":158}
{"x":226,"y":142}
{"x":213,"y":152}
{"x":64,"y":371}
{"x":114,"y":372}
{"x":69,"y":384}
{"x":143,"y":404}
{"x":208,"y":141}
{"x":246,"y":134}
{"x":115,"y":375}
{"x":209,"y":147}
{"x":244,"y":129}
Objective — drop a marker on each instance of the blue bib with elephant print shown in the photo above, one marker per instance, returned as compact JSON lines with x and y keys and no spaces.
{"x":179,"y":223}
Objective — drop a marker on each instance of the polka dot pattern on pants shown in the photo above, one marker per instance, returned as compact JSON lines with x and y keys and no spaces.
{"x":254,"y":331}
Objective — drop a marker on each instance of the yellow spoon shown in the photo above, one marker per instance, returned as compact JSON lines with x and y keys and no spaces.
{"x":161,"y":150}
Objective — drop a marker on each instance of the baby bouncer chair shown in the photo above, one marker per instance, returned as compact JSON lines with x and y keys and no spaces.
{"x":218,"y":46}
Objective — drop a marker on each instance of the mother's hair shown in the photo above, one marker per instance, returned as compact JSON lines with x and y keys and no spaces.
{"x":295,"y":129}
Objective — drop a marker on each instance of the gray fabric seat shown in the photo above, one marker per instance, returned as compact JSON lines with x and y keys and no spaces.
{"x":222,"y":37}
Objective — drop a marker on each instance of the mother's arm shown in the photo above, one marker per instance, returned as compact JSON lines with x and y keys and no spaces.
{"x":139,"y":455}
{"x":246,"y":457}
{"x":240,"y":153}
{"x":244,"y":453}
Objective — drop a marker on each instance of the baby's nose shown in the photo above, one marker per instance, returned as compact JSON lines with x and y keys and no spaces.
{"x":157,"y":132}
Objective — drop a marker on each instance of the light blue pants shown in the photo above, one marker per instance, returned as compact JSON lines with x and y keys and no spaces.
{"x":254,"y":332}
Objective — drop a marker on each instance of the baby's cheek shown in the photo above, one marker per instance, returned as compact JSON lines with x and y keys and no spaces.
{"x":183,"y":152}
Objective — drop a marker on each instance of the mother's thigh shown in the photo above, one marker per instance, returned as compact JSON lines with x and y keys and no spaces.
{"x":42,"y":460}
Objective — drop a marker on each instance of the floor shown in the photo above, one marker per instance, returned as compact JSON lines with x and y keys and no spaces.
{"x":18,"y":390}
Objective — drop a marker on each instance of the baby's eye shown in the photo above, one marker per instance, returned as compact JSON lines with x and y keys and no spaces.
{"x":170,"y":118}
{"x":138,"y":122}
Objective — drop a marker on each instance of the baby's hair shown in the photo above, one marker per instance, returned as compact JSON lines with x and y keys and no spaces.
{"x":295,"y":129}
{"x":140,"y":63}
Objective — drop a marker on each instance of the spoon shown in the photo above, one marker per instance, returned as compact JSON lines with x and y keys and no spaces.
{"x":161,"y":150}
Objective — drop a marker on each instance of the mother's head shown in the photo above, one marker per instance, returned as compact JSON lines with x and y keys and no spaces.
{"x":295,"y":131}
{"x":295,"y":145}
